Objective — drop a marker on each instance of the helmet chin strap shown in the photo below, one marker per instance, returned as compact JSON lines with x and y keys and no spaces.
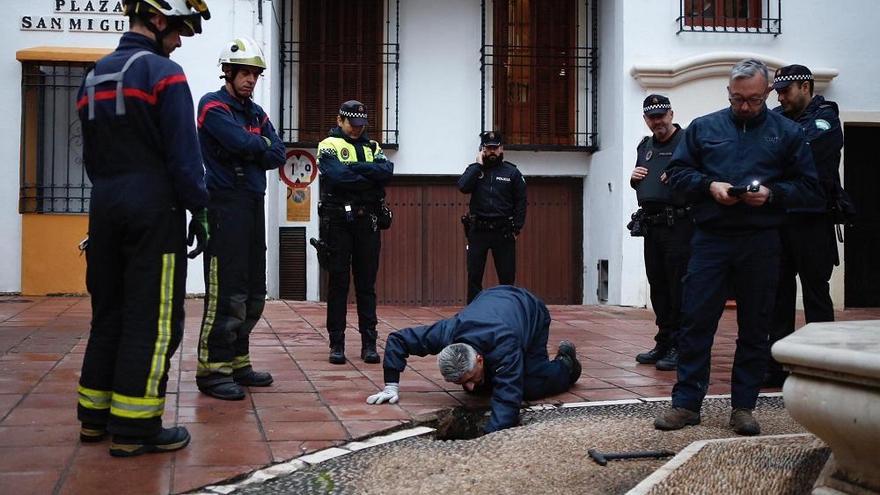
{"x":230,"y":78}
{"x":159,"y":34}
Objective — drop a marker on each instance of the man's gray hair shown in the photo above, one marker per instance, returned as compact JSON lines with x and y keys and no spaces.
{"x":455,"y":360}
{"x":749,"y":68}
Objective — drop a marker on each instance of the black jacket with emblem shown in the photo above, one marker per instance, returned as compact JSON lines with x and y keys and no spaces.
{"x":496,"y":192}
{"x":821,"y":124}
{"x":655,"y":157}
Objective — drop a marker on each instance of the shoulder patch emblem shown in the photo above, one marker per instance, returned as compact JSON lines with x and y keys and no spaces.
{"x":344,"y":153}
{"x":822,"y":125}
{"x":648,"y":155}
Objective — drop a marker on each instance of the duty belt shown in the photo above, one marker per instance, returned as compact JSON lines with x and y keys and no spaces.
{"x":356,"y":210}
{"x":490,"y":223}
{"x":667,"y":216}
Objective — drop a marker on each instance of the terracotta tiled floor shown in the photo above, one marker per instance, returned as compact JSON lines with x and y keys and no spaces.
{"x":311,"y":406}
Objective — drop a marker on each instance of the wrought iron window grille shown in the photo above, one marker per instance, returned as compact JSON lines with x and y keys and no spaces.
{"x":514,"y":101}
{"x":300,"y":57}
{"x":53,"y":177}
{"x":730,"y":16}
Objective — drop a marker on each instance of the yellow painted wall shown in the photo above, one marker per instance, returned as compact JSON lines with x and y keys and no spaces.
{"x":50,"y":260}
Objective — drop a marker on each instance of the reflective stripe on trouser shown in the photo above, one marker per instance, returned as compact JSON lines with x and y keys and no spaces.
{"x":136,"y":276}
{"x":235,"y":279}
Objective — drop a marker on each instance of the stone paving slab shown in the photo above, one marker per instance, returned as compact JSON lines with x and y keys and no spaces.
{"x":312,"y":405}
{"x":547,"y":454}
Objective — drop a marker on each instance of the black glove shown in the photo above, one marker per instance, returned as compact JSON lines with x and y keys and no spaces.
{"x":198,"y":231}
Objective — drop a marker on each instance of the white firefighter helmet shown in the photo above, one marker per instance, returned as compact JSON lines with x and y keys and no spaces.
{"x":242,"y":51}
{"x":190,"y":12}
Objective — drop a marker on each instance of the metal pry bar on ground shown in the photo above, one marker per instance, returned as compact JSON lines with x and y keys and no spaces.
{"x":603,"y":458}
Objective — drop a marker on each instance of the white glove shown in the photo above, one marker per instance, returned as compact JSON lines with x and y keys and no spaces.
{"x":388,"y":394}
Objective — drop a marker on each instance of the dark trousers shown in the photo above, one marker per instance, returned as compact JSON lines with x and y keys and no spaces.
{"x":809,"y":251}
{"x":750,"y":261}
{"x":667,"y":249}
{"x":503,"y":252}
{"x":355,"y":247}
{"x":235,"y":282}
{"x":136,"y":275}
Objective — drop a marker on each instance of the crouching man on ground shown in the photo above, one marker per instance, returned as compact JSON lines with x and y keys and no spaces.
{"x":497,"y":342}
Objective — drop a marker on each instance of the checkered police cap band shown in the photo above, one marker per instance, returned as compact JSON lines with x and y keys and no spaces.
{"x":793,"y":77}
{"x":353,"y":115}
{"x":658,"y":106}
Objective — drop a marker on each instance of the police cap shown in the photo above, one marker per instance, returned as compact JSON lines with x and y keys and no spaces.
{"x":355,"y":112}
{"x":656,"y":105}
{"x":789,"y":74}
{"x":491,"y":138}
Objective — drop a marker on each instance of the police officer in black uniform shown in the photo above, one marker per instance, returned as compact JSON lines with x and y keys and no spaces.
{"x":809,"y":246}
{"x":497,"y":212}
{"x":354,"y":172}
{"x":667,"y":228}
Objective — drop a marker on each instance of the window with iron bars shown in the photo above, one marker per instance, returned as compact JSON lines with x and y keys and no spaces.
{"x":53,"y":178}
{"x":539,"y":67}
{"x":333,"y":51}
{"x":730,"y":16}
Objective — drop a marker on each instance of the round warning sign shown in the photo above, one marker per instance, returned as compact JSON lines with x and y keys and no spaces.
{"x":299,"y":170}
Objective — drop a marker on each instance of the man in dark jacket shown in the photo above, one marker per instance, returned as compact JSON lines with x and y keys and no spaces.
{"x":809,"y":245}
{"x":742,"y":167}
{"x":354,"y":173}
{"x":142,"y":155}
{"x":499,"y":340}
{"x":239,"y":145}
{"x":497,"y":212}
{"x":667,"y":228}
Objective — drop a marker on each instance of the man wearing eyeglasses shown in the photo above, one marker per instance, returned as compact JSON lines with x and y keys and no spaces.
{"x":742,"y":167}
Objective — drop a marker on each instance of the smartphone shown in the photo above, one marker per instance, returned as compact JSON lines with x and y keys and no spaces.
{"x":737,"y":190}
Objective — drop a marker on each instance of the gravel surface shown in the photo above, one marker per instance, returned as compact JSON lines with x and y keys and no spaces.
{"x":547,"y":454}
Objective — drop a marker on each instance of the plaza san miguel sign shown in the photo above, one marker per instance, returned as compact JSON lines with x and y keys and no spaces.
{"x":79,"y":16}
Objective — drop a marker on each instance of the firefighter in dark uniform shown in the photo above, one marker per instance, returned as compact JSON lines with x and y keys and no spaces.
{"x":239,"y":144}
{"x":497,"y":212}
{"x":741,"y":167}
{"x":667,"y":228}
{"x":497,"y":343}
{"x":142,"y":156}
{"x":809,"y":244}
{"x":354,"y":173}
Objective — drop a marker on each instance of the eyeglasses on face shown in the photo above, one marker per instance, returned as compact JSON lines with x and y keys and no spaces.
{"x":739,"y":100}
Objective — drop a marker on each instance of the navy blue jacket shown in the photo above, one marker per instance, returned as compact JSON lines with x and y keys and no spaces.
{"x":231,"y":133}
{"x":501,"y":324}
{"x":496,"y":192}
{"x":150,"y":155}
{"x":769,"y":148}
{"x":821,"y":124}
{"x":353,"y":171}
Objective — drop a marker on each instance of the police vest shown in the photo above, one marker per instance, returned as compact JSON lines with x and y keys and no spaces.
{"x":655,"y":157}
{"x":347,"y":152}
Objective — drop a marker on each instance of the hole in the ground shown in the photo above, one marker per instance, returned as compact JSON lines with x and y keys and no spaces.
{"x":461,"y":423}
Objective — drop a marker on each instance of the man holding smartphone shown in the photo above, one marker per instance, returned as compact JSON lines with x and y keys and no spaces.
{"x":497,"y":212}
{"x":736,"y":239}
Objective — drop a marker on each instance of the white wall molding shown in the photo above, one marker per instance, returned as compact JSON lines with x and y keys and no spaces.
{"x":716,"y":64}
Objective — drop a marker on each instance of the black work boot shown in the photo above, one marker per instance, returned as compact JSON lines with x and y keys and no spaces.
{"x":652,"y":356}
{"x":220,"y":386}
{"x":167,"y":440}
{"x":249,"y":378}
{"x":337,"y":348}
{"x":368,"y":346}
{"x":567,"y":353}
{"x":669,"y":362}
{"x":91,"y":433}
